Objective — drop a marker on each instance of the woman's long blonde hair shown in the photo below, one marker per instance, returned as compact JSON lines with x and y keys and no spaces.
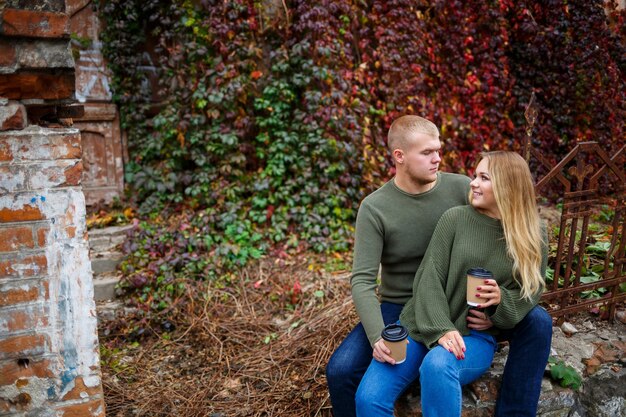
{"x":514,"y":193}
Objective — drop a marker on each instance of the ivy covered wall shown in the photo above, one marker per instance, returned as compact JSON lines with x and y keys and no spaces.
{"x":261,"y":125}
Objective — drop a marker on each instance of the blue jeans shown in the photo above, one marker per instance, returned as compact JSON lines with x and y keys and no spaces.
{"x":350,"y":361}
{"x":441,"y":377}
{"x":529,"y":348}
{"x":528,"y":355}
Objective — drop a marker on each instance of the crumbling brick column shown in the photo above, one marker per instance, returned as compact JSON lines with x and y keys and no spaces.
{"x":49,"y":356}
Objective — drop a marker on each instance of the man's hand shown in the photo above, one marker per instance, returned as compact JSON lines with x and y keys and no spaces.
{"x":478,"y":320}
{"x":382,"y":352}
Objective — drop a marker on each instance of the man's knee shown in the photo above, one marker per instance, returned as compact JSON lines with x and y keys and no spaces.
{"x":336,"y":370}
{"x":537,"y":323}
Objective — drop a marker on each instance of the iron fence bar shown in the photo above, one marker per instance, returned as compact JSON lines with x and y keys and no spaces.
{"x":585,"y":306}
{"x":550,"y":295}
{"x":579,"y":200}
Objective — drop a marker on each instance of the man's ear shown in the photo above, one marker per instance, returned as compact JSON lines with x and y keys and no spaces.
{"x":398,"y":156}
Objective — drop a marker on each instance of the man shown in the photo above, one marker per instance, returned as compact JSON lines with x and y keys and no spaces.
{"x":393,"y":228}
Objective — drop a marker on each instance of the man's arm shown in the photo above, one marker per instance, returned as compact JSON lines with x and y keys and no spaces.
{"x":368,"y":248}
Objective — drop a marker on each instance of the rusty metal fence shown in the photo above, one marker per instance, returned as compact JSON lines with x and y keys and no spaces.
{"x":583,"y":178}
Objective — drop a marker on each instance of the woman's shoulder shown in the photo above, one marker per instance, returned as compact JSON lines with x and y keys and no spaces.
{"x":458,"y":211}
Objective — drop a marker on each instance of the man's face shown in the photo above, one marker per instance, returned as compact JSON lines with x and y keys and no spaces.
{"x":422,"y":158}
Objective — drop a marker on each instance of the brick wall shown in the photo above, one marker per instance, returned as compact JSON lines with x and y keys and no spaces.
{"x":49,"y":360}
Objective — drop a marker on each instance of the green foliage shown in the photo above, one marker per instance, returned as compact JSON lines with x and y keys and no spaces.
{"x":564,"y":374}
{"x":260,"y":131}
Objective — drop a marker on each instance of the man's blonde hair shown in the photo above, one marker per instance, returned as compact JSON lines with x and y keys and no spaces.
{"x":514,"y":193}
{"x":400,"y":130}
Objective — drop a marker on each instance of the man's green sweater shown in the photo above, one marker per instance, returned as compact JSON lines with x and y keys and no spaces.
{"x":393,"y":229}
{"x":463,"y":239}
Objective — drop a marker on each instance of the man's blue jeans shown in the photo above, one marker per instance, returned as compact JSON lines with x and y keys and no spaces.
{"x":441,"y":373}
{"x":521,"y":383}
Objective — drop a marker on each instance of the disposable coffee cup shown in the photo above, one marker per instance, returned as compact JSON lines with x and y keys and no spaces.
{"x":475,"y":278}
{"x":395,"y":338}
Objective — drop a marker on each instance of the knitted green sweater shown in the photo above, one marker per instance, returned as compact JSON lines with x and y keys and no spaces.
{"x":463,"y":239}
{"x":393,"y":229}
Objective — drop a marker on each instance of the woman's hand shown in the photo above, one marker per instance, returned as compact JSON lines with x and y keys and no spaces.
{"x":478,"y":320}
{"x":453,"y":343}
{"x":491,"y":292}
{"x":381,"y":352}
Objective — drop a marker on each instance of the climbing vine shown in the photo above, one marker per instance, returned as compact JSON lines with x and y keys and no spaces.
{"x":256,"y":127}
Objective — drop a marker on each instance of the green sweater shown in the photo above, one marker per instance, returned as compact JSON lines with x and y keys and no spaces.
{"x":463,"y":239}
{"x":393,"y":229}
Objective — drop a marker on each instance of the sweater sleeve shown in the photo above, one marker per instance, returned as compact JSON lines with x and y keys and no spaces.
{"x":432,"y":312}
{"x":513,"y":308}
{"x":368,"y":247}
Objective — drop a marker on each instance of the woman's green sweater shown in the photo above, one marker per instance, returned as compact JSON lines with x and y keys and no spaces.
{"x":463,"y":239}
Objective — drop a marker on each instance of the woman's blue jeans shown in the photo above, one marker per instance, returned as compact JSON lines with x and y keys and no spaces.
{"x":441,"y":377}
{"x":350,"y":361}
{"x":529,"y":348}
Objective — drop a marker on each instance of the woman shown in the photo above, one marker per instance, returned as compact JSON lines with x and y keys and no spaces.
{"x":499,"y":231}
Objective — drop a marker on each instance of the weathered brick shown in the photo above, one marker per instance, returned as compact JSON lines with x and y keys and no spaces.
{"x":42,"y":234}
{"x":32,"y":144}
{"x":73,"y":174}
{"x":81,"y":390}
{"x":23,"y":318}
{"x":7,"y":53}
{"x":26,"y":266}
{"x":93,"y":408}
{"x":12,"y":178}
{"x":5,"y":406}
{"x":18,"y":295}
{"x":12,"y":370}
{"x":5,"y":150}
{"x":49,"y":86}
{"x":34,"y":24}
{"x":43,"y":54}
{"x":14,"y":238}
{"x":25,"y":214}
{"x":71,"y":232}
{"x":47,"y":5}
{"x":13,"y":116}
{"x":32,"y":344}
{"x":62,"y":173}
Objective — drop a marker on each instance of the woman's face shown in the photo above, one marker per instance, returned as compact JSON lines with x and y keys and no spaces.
{"x":483,"y":199}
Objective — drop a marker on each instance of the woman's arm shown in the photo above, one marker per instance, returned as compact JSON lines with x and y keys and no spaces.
{"x":432,"y":312}
{"x":512,"y":307}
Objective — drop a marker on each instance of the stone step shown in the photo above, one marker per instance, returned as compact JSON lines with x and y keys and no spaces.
{"x":112,"y":309}
{"x":105,"y":262}
{"x":104,"y":286}
{"x":106,"y":239}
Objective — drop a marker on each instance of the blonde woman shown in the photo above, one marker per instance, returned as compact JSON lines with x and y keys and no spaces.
{"x":499,"y":231}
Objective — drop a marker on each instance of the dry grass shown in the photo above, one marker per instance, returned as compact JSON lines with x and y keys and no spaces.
{"x":236,"y":351}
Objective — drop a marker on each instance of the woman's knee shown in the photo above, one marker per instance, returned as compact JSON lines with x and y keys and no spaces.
{"x":436,"y":364}
{"x":370,"y":397}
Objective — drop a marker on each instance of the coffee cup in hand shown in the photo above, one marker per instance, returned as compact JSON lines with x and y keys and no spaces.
{"x":395,"y":338}
{"x":475,"y":278}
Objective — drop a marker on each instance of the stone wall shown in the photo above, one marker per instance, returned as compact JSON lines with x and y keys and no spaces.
{"x":49,"y":358}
